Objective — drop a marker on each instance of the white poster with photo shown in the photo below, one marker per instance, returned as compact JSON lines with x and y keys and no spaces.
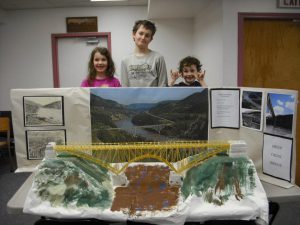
{"x":277,"y":156}
{"x":251,"y":109}
{"x":44,"y":115}
{"x":225,"y":110}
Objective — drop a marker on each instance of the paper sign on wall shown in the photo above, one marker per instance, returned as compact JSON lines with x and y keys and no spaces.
{"x":225,"y":110}
{"x":277,"y":156}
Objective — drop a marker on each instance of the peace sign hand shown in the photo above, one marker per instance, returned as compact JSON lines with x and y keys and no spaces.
{"x":174,"y":76}
{"x":200,"y":76}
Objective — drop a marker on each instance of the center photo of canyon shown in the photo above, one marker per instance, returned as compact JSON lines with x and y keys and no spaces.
{"x":148,"y":114}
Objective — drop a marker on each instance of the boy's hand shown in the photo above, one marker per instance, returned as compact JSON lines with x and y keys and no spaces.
{"x":174,"y":76}
{"x":200,"y":76}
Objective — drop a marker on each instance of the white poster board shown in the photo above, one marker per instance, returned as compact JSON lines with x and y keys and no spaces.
{"x":74,"y":120}
{"x":55,"y":112}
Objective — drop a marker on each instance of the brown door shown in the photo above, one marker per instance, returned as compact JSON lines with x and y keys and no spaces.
{"x":271,"y":58}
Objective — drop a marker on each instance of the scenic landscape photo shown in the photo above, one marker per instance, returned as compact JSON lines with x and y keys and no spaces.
{"x":148,"y":114}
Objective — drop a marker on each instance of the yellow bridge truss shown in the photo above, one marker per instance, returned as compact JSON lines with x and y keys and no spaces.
{"x":116,"y":157}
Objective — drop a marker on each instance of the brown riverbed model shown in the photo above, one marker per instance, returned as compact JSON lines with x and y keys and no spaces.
{"x":148,"y":190}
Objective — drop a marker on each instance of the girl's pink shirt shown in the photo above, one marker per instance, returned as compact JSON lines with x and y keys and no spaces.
{"x":107,"y":82}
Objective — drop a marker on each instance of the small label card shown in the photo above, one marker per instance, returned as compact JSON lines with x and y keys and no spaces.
{"x":277,"y":156}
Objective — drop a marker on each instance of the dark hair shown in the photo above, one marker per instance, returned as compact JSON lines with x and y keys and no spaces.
{"x":110,"y":64}
{"x":188,"y":61}
{"x":147,"y":24}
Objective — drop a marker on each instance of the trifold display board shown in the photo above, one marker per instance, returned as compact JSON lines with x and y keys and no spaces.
{"x":264,"y":118}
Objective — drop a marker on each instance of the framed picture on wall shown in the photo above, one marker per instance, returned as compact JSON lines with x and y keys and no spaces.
{"x":82,"y":24}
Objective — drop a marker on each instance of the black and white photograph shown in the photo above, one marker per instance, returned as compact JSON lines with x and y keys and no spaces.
{"x":251,"y":110}
{"x":38,"y":139}
{"x":280,"y":114}
{"x":43,"y":111}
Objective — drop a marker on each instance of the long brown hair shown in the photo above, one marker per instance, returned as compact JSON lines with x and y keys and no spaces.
{"x":110,"y":64}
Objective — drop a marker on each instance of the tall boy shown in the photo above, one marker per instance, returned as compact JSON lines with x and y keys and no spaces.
{"x":144,"y":67}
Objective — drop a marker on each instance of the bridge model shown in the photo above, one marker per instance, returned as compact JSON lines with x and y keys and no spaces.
{"x":178,"y":155}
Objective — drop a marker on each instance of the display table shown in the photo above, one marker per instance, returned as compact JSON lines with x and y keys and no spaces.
{"x":274,"y":193}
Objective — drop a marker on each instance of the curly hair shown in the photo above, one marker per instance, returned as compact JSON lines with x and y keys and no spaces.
{"x":188,"y":61}
{"x":110,"y":64}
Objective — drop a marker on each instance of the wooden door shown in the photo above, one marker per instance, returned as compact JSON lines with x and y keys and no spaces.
{"x":271,"y":59}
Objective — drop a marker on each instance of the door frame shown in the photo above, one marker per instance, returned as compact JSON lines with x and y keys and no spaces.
{"x":241,"y":19}
{"x":54,"y":43}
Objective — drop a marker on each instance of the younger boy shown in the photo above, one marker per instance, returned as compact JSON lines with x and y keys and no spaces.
{"x":190,"y":71}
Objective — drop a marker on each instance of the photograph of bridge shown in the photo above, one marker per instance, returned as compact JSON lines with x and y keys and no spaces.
{"x":251,"y":109}
{"x":280,"y":114}
{"x":149,"y":114}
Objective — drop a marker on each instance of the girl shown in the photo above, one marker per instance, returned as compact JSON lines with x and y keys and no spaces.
{"x":101,"y":70}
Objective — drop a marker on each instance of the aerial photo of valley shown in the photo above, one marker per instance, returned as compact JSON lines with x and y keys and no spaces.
{"x":148,"y":114}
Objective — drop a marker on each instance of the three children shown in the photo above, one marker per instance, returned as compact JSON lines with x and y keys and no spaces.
{"x":143,"y":68}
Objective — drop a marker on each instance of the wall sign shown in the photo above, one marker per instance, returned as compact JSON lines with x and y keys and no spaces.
{"x":82,"y":24}
{"x":288,"y":4}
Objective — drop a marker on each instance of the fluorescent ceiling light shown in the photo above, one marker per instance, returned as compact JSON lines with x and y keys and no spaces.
{"x":108,"y":0}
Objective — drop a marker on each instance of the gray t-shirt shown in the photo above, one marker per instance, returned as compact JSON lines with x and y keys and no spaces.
{"x":144,"y":71}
